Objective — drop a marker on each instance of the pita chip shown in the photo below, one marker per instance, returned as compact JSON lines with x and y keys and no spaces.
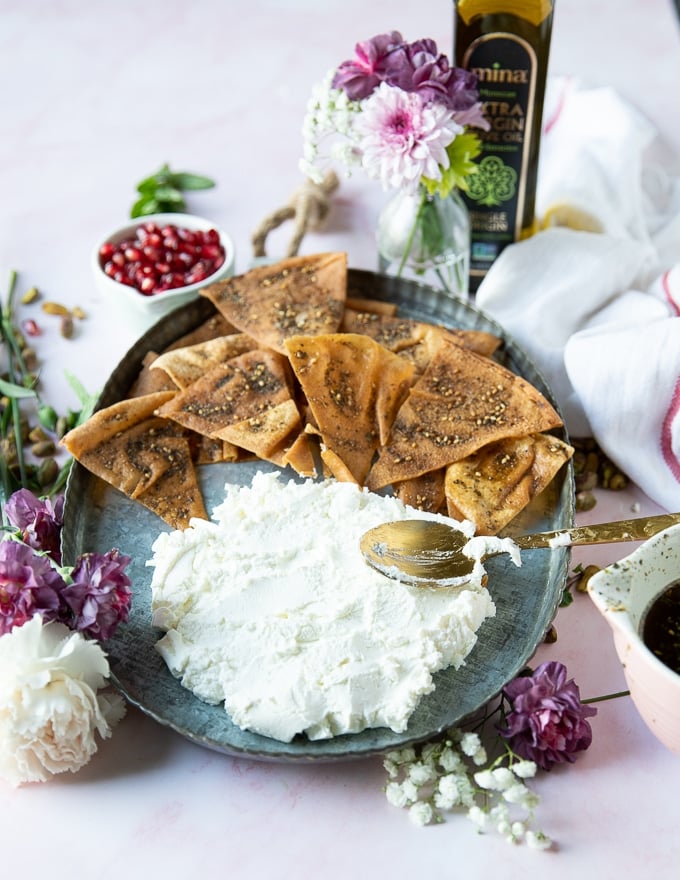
{"x":185,"y":365}
{"x":264,"y":434}
{"x":299,"y":295}
{"x":494,"y":484}
{"x":244,"y":387}
{"x":353,"y":387}
{"x":425,"y":492}
{"x":145,"y":457}
{"x":463,"y":401}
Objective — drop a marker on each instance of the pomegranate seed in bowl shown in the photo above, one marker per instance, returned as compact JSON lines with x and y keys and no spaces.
{"x":160,"y":258}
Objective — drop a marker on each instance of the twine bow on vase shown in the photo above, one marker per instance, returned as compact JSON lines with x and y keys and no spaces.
{"x":308,"y":207}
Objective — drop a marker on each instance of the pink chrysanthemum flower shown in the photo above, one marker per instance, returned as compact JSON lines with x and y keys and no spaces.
{"x":403,"y":138}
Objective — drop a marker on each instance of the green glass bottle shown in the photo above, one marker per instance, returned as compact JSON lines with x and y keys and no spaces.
{"x":507,"y":44}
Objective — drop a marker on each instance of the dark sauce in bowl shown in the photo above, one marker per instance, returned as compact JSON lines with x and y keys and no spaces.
{"x":661,"y":627}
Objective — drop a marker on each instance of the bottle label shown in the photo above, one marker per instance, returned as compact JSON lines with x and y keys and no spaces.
{"x":505,"y":65}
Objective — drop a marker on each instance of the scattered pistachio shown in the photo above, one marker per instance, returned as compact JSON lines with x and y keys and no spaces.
{"x":54,"y":308}
{"x":585,"y":501}
{"x":66,"y":328}
{"x":78,"y":313}
{"x":30,"y":296}
{"x":47,"y":472}
{"x":28,"y":443}
{"x":551,"y":635}
{"x":30,"y":358}
{"x":61,"y":427}
{"x":581,"y":585}
{"x":35,"y":435}
{"x":43,"y":448}
{"x":593,"y":470}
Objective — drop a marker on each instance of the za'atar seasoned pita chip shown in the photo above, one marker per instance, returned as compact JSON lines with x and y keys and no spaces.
{"x":143,"y":456}
{"x":297,"y":296}
{"x":491,"y":486}
{"x":353,"y":387}
{"x":398,"y":334}
{"x":461,"y":402}
{"x":185,"y":365}
{"x":243,"y":388}
{"x":265,"y":434}
{"x":425,"y":492}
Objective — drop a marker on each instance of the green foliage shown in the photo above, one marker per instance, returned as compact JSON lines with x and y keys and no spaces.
{"x":462,"y":152}
{"x":162,"y":192}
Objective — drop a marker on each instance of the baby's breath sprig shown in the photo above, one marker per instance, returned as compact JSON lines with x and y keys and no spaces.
{"x":455,"y":773}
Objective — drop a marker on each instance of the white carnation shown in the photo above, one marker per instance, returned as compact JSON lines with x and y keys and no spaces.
{"x":49,"y":708}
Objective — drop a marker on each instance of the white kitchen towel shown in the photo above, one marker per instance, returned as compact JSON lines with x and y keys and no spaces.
{"x":599,"y":312}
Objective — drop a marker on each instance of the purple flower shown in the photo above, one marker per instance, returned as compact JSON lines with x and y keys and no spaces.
{"x":29,"y":585}
{"x":547,"y":723}
{"x":38,"y":520}
{"x":419,"y":67}
{"x":363,"y":73}
{"x":99,"y":595}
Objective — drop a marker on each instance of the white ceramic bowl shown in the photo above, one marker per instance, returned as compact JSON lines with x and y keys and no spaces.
{"x":623,"y":592}
{"x":142,"y":310}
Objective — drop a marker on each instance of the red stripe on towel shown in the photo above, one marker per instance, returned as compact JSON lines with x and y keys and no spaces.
{"x":669,"y":456}
{"x":666,"y":286}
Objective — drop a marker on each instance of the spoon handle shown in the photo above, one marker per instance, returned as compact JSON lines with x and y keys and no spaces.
{"x":637,"y":529}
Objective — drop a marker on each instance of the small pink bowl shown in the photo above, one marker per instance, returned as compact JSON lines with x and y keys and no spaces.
{"x":623,"y":592}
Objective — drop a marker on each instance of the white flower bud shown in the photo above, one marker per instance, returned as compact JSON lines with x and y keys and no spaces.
{"x":524,"y":769}
{"x":395,"y":795}
{"x":421,"y":813}
{"x":538,"y":840}
{"x":420,"y":773}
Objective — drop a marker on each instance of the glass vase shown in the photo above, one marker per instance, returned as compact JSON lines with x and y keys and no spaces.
{"x":427,"y":238}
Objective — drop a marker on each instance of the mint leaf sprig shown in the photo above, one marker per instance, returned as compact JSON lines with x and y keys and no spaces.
{"x":162,"y":192}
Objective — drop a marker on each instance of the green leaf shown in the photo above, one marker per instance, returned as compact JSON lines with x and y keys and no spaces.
{"x":144,"y":206}
{"x":15,"y":392}
{"x":462,"y":152}
{"x":184,"y":180}
{"x":87,"y":401}
{"x":169,"y":194}
{"x":566,"y":599}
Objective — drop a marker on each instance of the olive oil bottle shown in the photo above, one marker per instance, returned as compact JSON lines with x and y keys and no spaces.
{"x":507,"y":44}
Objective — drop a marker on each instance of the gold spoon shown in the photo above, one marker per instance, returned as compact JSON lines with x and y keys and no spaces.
{"x":422,"y":552}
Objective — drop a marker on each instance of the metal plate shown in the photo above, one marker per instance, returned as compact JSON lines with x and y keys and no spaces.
{"x":98,"y":518}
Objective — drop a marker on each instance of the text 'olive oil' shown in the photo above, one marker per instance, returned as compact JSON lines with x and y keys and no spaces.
{"x":507,"y":44}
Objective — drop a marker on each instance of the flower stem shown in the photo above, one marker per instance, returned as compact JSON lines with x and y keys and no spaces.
{"x":412,"y":233}
{"x":607,"y":697}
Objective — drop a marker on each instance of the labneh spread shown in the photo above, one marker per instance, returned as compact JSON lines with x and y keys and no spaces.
{"x":271,"y":609}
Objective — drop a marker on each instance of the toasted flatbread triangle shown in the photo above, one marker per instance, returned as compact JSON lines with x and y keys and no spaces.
{"x":185,"y":365}
{"x":149,"y":381}
{"x":354,"y":387}
{"x":143,"y":456}
{"x":300,"y":455}
{"x":299,"y":295}
{"x":491,"y":486}
{"x":425,"y":492}
{"x":265,"y":433}
{"x":397,"y":334}
{"x":463,"y":401}
{"x":244,"y":387}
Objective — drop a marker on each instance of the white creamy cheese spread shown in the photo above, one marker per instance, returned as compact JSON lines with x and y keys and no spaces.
{"x":271,"y":609}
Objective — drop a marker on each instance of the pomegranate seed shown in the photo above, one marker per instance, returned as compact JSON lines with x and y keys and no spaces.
{"x":30,"y":327}
{"x":106,"y":251}
{"x":158,"y":259}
